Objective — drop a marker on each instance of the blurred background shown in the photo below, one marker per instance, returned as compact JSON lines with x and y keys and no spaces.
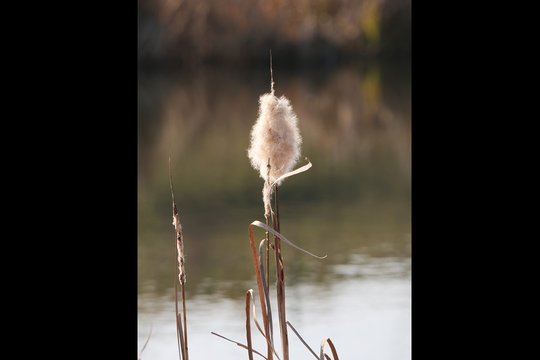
{"x":345,"y":67}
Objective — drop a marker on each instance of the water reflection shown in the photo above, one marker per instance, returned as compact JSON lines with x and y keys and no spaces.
{"x":354,"y":205}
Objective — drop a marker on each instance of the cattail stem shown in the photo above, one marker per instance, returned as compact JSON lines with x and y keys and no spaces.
{"x":276,"y":199}
{"x":267,"y":216}
{"x":280,"y":286}
{"x":275,"y":140}
{"x":267,"y":213}
{"x":267,"y":256}
{"x":268,"y":280}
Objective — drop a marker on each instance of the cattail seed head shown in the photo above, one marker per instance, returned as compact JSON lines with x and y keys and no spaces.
{"x":275,"y":137}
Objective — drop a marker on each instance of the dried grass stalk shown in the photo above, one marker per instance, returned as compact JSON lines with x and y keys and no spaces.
{"x":239,"y":344}
{"x":302,"y":340}
{"x":248,"y":326}
{"x":324,"y":356}
{"x":259,"y":275}
{"x":181,"y":328}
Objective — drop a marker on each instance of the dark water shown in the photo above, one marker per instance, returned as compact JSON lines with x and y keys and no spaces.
{"x":354,"y":205}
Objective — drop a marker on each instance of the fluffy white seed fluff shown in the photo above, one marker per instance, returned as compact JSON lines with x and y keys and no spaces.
{"x":274,"y":136}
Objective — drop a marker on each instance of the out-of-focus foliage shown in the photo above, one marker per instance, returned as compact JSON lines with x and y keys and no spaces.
{"x":300,"y":31}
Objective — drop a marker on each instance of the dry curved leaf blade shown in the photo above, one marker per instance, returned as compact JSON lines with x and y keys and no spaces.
{"x":283,"y":238}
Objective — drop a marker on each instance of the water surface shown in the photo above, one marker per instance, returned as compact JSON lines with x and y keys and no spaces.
{"x":354,"y":205}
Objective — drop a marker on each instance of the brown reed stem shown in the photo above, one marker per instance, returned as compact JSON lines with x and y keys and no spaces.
{"x":277,"y":208}
{"x":178,"y":324}
{"x":185,"y":322}
{"x":259,"y":277}
{"x":181,"y":330}
{"x":248,"y":327}
{"x":280,"y":286}
{"x":267,"y":214}
{"x":268,"y":256}
{"x":267,"y":217}
{"x":333,"y":349}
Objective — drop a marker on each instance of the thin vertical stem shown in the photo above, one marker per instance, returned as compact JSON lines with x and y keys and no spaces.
{"x":271,"y":74}
{"x":178,"y":325}
{"x":267,"y":257}
{"x":268,"y":213}
{"x":248,"y":327}
{"x":259,"y":276}
{"x":277,"y":208}
{"x":267,"y":216}
{"x":180,"y":273}
{"x":185,"y":323}
{"x":280,"y":272}
{"x":266,"y":292}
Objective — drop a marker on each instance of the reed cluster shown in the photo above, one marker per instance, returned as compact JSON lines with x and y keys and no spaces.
{"x":274,"y":151}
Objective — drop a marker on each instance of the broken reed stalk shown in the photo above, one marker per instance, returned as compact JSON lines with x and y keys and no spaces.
{"x":250,"y":300}
{"x":260,"y":287}
{"x":323,"y":355}
{"x":333,"y":349}
{"x":266,"y":289}
{"x":181,"y":328}
{"x":248,"y":326}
